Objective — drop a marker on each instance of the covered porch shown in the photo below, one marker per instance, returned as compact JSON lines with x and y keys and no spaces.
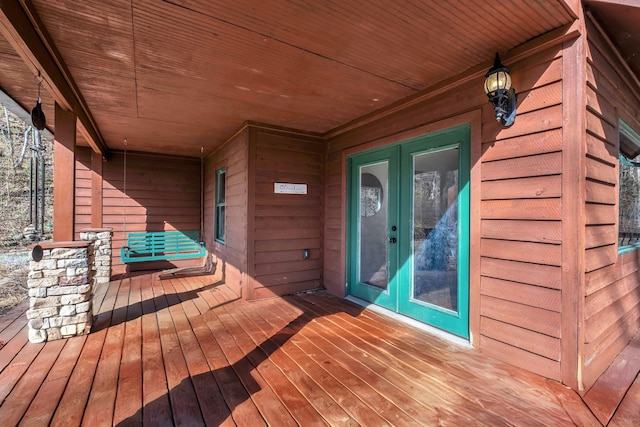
{"x":188,"y":115}
{"x":188,"y":351}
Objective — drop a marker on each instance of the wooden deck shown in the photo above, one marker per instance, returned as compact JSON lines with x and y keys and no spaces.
{"x":188,"y":352}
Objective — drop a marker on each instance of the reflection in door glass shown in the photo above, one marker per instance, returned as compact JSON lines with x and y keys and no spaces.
{"x":435,"y":228}
{"x":372,"y":227}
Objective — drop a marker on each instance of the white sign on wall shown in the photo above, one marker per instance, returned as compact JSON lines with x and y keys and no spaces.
{"x":287,"y":188}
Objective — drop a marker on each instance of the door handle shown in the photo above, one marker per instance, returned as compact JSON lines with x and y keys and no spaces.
{"x":392,"y":240}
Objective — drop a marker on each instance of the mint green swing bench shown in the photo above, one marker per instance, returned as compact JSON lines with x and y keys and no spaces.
{"x":161,"y":246}
{"x":158,"y":245}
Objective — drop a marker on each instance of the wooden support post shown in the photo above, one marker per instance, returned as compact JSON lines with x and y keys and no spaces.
{"x":574,"y":174}
{"x":96,"y":189}
{"x":64,"y":173}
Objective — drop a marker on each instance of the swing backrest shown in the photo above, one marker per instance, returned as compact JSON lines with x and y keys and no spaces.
{"x":162,"y":245}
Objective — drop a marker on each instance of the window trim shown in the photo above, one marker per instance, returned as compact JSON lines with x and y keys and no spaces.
{"x":219,"y":206}
{"x":633,"y":137}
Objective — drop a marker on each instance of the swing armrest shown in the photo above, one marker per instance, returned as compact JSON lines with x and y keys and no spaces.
{"x":124,"y":253}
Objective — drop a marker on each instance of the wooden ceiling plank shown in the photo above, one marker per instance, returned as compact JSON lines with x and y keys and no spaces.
{"x":17,"y":27}
{"x":243,"y":34}
{"x":504,"y":20}
{"x":107,"y":92}
{"x":240,"y":36}
{"x":553,"y":13}
{"x":156,"y":69}
{"x":112,"y":55}
{"x":355,"y":24}
{"x":413,"y":38}
{"x":231,"y":64}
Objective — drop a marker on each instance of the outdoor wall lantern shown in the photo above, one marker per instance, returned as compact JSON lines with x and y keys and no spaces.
{"x":37,"y":115}
{"x":501,"y":95}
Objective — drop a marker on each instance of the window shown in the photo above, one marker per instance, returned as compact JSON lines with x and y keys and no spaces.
{"x":220,"y":205}
{"x":629,"y":189}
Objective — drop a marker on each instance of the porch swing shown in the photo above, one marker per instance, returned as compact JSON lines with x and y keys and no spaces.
{"x":159,"y":245}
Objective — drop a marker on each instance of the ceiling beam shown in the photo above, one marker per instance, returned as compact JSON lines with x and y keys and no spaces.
{"x":630,"y":3}
{"x":573,"y":7}
{"x":21,"y":26}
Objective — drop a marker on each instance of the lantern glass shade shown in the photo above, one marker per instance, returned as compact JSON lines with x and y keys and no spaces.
{"x":502,"y":96}
{"x":499,"y":79}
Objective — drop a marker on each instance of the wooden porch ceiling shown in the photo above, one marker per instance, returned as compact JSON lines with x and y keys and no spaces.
{"x":189,"y":352}
{"x":620,"y":19}
{"x":176,"y":75}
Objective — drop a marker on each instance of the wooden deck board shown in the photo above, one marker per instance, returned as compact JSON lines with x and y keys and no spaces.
{"x":13,"y":346}
{"x":99,"y":295}
{"x":103,"y":313}
{"x":45,"y":402}
{"x":8,"y":319}
{"x":17,"y":368}
{"x":24,"y":391}
{"x":276,"y":367}
{"x":341,"y":396}
{"x":155,"y":397}
{"x":184,"y":403}
{"x":240,"y":408}
{"x":71,"y":407}
{"x":432,"y":400}
{"x":186,"y":351}
{"x":129,"y":391}
{"x":101,"y":402}
{"x":628,"y":413}
{"x":265,"y":400}
{"x":608,"y":391}
{"x":427,"y":368}
{"x":212,"y":405}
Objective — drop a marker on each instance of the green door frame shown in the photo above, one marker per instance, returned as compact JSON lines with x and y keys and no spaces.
{"x":383,"y":297}
{"x":398,"y":295}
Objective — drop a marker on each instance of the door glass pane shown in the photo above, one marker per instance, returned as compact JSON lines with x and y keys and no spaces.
{"x":372,"y":227}
{"x":435,"y":228}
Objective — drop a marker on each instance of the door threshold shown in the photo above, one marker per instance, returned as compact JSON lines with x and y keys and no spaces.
{"x":446,"y":336}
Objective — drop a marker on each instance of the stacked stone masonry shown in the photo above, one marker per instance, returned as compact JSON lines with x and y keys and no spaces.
{"x":61,"y":285}
{"x":60,"y":294}
{"x":100,"y":254}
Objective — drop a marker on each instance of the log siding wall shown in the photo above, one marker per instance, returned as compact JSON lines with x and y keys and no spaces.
{"x":283,"y":225}
{"x":162,"y":194}
{"x":612,"y":291}
{"x":521,"y":222}
{"x":83,"y":191}
{"x":517,"y":314}
{"x":231,"y":257}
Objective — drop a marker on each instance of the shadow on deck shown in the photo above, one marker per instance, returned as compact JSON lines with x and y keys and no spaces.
{"x":187,"y":351}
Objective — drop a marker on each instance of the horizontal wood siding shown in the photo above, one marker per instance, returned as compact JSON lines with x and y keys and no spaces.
{"x":162,"y":194}
{"x":519,"y":236}
{"x":83,"y":190}
{"x":231,"y":256}
{"x":612,"y":291}
{"x":521,"y":227}
{"x":285,"y":224}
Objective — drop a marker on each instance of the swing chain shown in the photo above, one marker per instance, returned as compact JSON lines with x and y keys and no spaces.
{"x":124,"y":191}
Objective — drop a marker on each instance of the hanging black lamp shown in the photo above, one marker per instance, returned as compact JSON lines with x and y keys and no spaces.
{"x":37,"y":115}
{"x":502,"y":96}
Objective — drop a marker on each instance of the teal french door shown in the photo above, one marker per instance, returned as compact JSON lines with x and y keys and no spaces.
{"x":408,"y":228}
